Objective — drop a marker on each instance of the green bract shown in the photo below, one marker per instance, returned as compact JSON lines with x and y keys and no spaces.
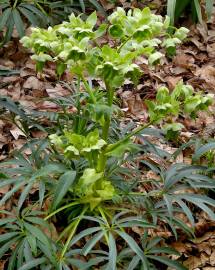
{"x":182,"y":99}
{"x":93,"y":188}
{"x":71,"y":43}
{"x":76,"y":145}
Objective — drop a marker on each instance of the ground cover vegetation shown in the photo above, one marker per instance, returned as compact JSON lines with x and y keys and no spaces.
{"x":85,"y":177}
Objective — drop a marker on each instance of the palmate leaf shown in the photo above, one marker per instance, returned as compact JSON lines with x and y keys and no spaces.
{"x":134,"y":263}
{"x":64,"y":183}
{"x":11,"y":192}
{"x":200,"y":201}
{"x":5,"y":247}
{"x":28,"y":178}
{"x":112,"y":252}
{"x":176,"y":265}
{"x":92,"y":242}
{"x":36,"y":11}
{"x":38,"y":233}
{"x":203,"y":150}
{"x":84,"y":233}
{"x":8,"y":72}
{"x":18,"y":22}
{"x":29,"y":15}
{"x":4,"y":18}
{"x":33,"y":263}
{"x":180,"y":171}
{"x":132,"y":244}
{"x":11,"y":106}
{"x":10,"y":26}
{"x":7,"y":236}
{"x":49,"y":253}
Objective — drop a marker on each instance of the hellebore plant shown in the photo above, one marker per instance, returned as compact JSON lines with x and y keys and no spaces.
{"x":81,"y":179}
{"x":74,"y":45}
{"x":181,"y":101}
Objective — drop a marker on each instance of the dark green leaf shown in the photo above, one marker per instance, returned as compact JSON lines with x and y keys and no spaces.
{"x":92,"y":242}
{"x":64,"y":183}
{"x":176,"y":265}
{"x":18,"y":22}
{"x":33,"y":264}
{"x":4,"y":18}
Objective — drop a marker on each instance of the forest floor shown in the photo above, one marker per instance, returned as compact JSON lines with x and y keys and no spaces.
{"x":194,"y":63}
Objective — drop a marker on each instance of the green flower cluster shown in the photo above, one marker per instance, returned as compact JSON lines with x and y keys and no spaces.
{"x":73,"y":44}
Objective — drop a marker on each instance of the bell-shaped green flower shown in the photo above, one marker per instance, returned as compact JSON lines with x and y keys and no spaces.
{"x":93,"y":188}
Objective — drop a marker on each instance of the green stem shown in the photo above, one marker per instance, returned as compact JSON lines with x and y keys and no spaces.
{"x":89,"y":90}
{"x":74,"y":228}
{"x":134,"y":132}
{"x":61,"y":209}
{"x":105,"y":130}
{"x":110,"y":94}
{"x":122,"y":44}
{"x":103,"y":158}
{"x":104,"y":217}
{"x":15,"y":4}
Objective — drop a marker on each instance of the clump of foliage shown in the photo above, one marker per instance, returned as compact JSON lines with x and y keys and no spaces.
{"x":81,"y":168}
{"x":182,"y":101}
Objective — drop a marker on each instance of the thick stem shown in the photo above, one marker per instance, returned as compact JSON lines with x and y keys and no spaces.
{"x":110,"y":94}
{"x":61,"y":209}
{"x":107,"y":224}
{"x":105,"y":130}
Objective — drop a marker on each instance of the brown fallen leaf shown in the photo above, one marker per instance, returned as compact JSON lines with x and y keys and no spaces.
{"x":11,"y":79}
{"x":57,"y":91}
{"x":16,"y":132}
{"x":207,"y":73}
{"x":39,"y":134}
{"x":193,"y":262}
{"x":33,"y":83}
{"x":172,"y":81}
{"x":184,"y":60}
{"x":212,"y":259}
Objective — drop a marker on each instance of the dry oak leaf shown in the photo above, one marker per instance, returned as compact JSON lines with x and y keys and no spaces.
{"x":193,"y":262}
{"x":212,"y":258}
{"x":183,"y":60}
{"x":207,"y":73}
{"x":33,"y":83}
{"x":57,"y":91}
{"x":16,"y":132}
{"x":172,"y":81}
